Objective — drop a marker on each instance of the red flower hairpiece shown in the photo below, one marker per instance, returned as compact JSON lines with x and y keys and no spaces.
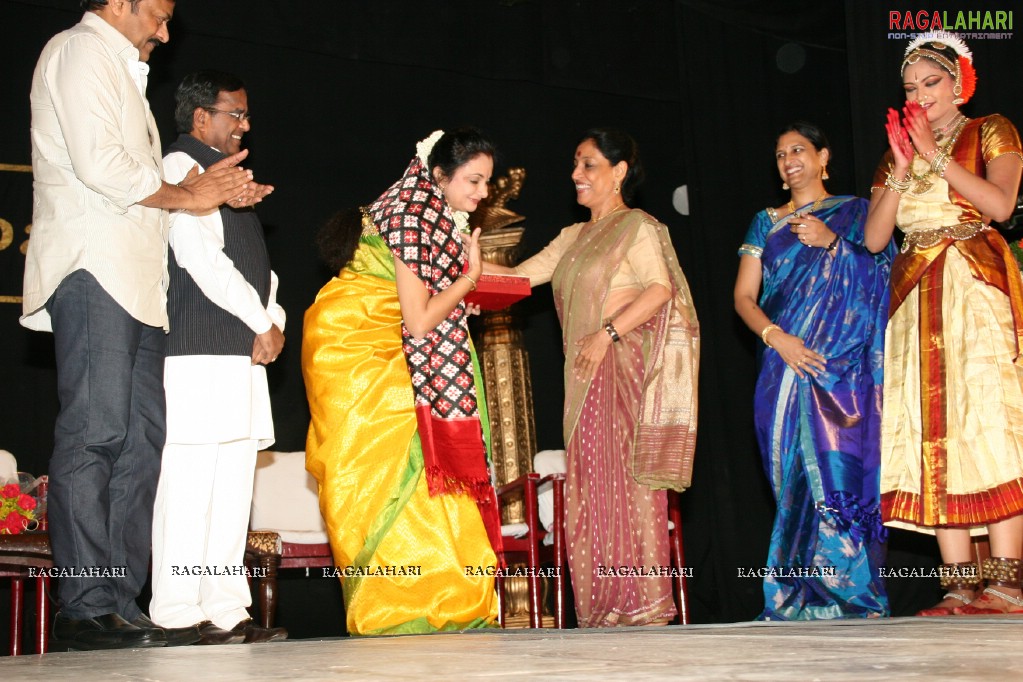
{"x":969,"y":79}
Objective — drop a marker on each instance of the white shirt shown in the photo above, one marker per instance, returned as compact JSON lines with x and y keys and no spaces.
{"x":95,"y":155}
{"x":216,"y":398}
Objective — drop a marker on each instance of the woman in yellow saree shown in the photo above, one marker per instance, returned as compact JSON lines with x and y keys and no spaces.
{"x":396,"y":438}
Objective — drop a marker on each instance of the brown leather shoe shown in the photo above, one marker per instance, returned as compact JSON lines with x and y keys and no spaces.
{"x":255,"y":634}
{"x":211,"y":634}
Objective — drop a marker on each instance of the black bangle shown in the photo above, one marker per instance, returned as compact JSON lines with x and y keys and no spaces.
{"x":612,"y":332}
{"x":834,"y":244}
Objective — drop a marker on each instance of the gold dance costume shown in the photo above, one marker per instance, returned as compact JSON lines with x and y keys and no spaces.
{"x":952,"y":427}
{"x":363,"y":447}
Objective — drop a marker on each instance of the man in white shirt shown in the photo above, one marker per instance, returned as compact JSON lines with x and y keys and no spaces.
{"x":225,"y":326}
{"x":95,"y":275}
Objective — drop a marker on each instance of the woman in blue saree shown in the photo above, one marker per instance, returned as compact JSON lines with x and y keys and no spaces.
{"x":823,"y":305}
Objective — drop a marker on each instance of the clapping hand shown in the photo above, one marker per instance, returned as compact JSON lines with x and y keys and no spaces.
{"x":901,"y":146}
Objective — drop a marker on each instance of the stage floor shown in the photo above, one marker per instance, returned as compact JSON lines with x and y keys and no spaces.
{"x":899,"y":648}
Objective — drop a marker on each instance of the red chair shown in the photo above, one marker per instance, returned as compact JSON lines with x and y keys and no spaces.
{"x":530,"y":548}
{"x":678,"y":558}
{"x":19,"y":554}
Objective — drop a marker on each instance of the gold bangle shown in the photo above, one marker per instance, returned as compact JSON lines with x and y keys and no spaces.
{"x":471,"y":281}
{"x":940,"y":163}
{"x":897,"y":186}
{"x":767,"y":330}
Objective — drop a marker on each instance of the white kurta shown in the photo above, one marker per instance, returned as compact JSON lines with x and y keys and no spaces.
{"x":216,"y":398}
{"x":218,"y":415}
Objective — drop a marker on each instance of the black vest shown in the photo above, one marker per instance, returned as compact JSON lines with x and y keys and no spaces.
{"x":197,"y":325}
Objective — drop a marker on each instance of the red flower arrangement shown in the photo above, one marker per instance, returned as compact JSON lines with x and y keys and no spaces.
{"x":17,"y":510}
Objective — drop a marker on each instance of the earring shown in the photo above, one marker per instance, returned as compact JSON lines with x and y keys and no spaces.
{"x":824,"y":173}
{"x":618,"y":188}
{"x":784,"y":185}
{"x":957,"y":90}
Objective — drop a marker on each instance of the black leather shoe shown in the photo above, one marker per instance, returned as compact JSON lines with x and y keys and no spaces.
{"x":211,"y":634}
{"x":255,"y":634}
{"x":108,"y":631}
{"x":173,"y":636}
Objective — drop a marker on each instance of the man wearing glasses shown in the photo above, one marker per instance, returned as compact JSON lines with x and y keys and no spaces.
{"x":95,"y":275}
{"x":225,"y":327}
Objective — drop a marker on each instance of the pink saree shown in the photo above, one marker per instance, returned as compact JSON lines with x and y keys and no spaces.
{"x":630,"y":432}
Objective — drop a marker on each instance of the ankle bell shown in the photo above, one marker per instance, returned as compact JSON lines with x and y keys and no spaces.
{"x":960,"y":576}
{"x":1003,"y":571}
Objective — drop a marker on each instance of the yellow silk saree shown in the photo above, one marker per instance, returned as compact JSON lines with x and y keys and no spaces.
{"x":408,"y":562}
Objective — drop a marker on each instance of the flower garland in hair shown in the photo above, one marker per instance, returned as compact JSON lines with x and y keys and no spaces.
{"x":423,"y":149}
{"x":965,"y":75}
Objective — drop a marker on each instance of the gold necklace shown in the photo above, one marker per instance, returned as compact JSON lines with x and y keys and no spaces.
{"x":943,"y":131}
{"x":816,"y":204}
{"x":612,"y":211}
{"x":922,"y":182}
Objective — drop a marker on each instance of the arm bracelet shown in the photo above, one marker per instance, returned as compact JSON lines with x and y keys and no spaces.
{"x":834,"y":244}
{"x":767,"y":330}
{"x":471,"y":281}
{"x":897,"y":186}
{"x":612,"y":332}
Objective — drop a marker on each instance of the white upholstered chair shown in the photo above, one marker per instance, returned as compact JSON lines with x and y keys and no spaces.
{"x":286,"y":529}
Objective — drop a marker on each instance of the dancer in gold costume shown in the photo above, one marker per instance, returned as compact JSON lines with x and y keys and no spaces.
{"x":396,"y":440}
{"x":952,"y":425}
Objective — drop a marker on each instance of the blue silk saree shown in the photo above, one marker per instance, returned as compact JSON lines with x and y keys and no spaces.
{"x":820,"y":436}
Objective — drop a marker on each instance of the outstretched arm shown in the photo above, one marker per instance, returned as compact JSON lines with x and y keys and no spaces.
{"x":202,"y":193}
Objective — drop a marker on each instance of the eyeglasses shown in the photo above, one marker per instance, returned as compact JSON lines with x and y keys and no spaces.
{"x":240,"y":115}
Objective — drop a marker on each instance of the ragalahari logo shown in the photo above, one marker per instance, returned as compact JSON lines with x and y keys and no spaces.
{"x":969,"y":24}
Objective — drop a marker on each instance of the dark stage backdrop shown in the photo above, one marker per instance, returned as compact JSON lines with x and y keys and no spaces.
{"x":340,"y":92}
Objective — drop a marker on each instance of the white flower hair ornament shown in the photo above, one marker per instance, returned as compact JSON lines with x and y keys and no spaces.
{"x":926,"y":45}
{"x":462,"y":221}
{"x":424,"y":147}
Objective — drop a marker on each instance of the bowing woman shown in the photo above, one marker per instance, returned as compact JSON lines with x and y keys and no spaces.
{"x":396,"y":439}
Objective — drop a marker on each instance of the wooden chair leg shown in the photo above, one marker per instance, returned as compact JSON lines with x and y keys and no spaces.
{"x":559,"y":553}
{"x":42,"y":614}
{"x":499,"y":586}
{"x":268,"y":589}
{"x":533,"y":581}
{"x":17,"y":613}
{"x":678,"y":559}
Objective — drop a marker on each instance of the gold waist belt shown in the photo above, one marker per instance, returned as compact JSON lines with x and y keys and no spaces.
{"x":924,"y":239}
